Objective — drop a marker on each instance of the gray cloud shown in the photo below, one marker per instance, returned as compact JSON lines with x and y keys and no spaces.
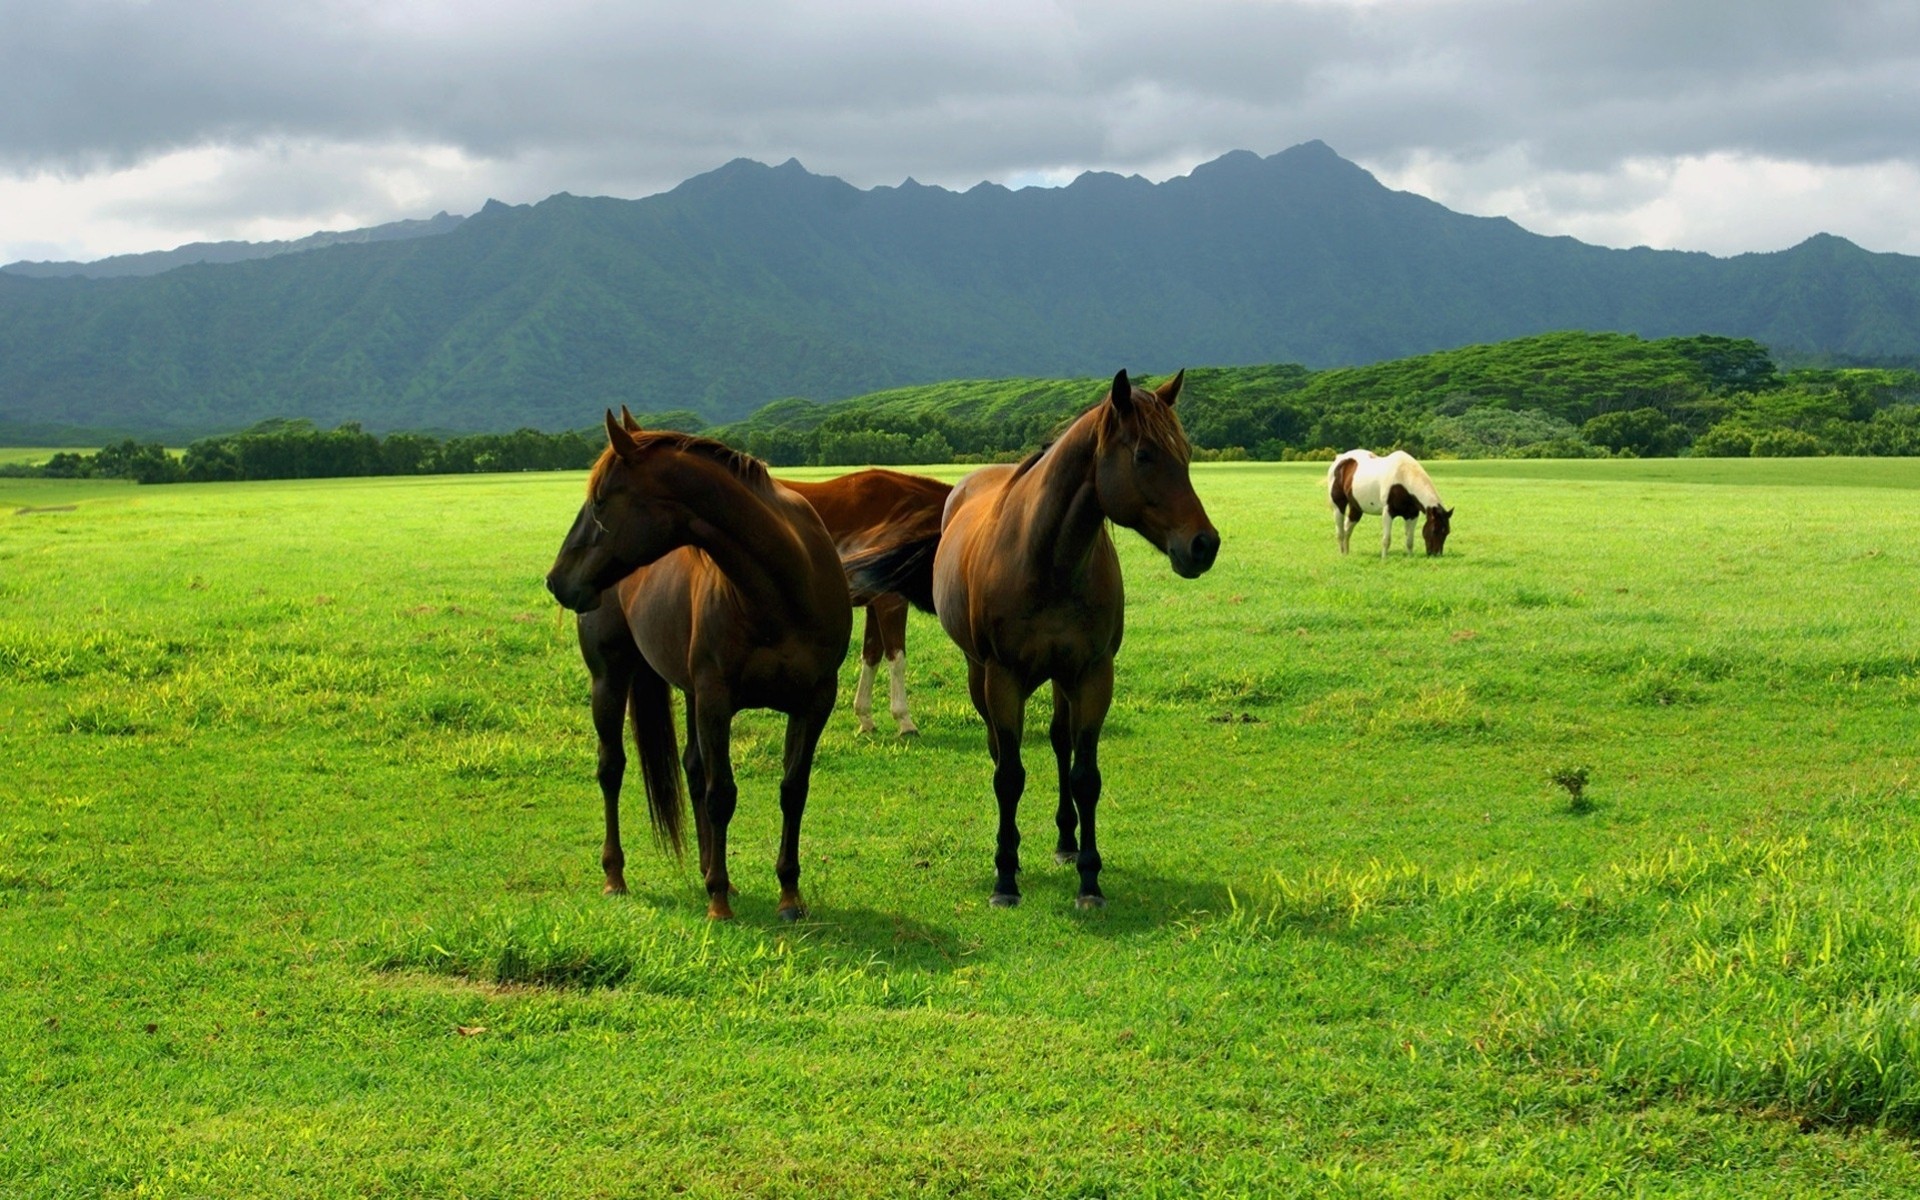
{"x":584,"y":96}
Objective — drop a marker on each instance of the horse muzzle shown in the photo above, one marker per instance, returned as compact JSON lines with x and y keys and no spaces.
{"x":573,"y":595}
{"x":1195,"y":555}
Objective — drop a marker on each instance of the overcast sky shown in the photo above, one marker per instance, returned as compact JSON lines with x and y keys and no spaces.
{"x":1718,"y":125}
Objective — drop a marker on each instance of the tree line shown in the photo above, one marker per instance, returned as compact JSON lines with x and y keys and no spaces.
{"x":1563,"y":395}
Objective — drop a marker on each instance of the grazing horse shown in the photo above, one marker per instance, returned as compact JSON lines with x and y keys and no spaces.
{"x":1026,"y":581}
{"x":863,"y":510}
{"x":691,"y":568}
{"x":1360,"y":481}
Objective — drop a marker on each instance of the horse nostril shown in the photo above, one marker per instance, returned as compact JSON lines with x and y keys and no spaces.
{"x":1205,"y":547}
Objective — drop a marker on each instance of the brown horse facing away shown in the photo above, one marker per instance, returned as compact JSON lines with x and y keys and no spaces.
{"x":864,"y":510}
{"x":691,"y":568}
{"x":1027,"y":583}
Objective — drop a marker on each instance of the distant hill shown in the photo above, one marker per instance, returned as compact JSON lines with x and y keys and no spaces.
{"x":754,"y":283}
{"x":152,"y":262}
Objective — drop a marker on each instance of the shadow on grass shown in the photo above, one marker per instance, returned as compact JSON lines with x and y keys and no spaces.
{"x":862,"y":932}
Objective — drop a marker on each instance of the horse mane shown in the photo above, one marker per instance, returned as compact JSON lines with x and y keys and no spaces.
{"x":1027,"y":464}
{"x":1152,"y":417}
{"x":744,"y":467}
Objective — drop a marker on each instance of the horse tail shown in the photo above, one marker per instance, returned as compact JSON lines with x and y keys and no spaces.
{"x":650,"y":708}
{"x":905,"y":567}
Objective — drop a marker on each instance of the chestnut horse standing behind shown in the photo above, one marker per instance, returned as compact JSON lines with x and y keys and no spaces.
{"x":1027,"y":583}
{"x":690,"y":567}
{"x":863,"y":510}
{"x":1360,"y":481}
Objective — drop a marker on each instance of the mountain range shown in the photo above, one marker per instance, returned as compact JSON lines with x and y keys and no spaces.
{"x":754,"y":283}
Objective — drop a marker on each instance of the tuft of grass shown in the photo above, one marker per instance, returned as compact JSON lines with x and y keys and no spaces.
{"x":1574,"y":780}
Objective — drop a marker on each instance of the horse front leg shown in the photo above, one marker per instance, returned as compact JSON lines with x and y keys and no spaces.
{"x":803,"y":736}
{"x":1003,"y":706}
{"x":872,"y":647}
{"x":715,"y":731}
{"x":1089,"y":702}
{"x":697,"y":786}
{"x":612,"y":660}
{"x":1060,"y":734}
{"x":1386,"y":533}
{"x":610,"y":688}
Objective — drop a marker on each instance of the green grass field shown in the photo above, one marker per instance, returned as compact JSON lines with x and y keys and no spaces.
{"x":32,"y":455}
{"x":299,"y":881}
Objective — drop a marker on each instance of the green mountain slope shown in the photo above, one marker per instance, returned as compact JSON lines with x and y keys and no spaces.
{"x":753,"y":283}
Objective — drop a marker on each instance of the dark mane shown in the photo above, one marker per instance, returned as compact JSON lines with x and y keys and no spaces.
{"x":1026,"y":464}
{"x":744,"y":467}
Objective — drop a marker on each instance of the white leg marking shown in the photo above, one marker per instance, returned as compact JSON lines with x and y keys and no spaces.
{"x":1386,"y":533}
{"x":898,"y":694}
{"x":863,"y":698}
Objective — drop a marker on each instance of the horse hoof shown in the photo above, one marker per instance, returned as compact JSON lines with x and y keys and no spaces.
{"x":1004,"y":899}
{"x":790,"y":915}
{"x":1063,"y":857}
{"x":1090,"y":901}
{"x":614,"y":887}
{"x":719,"y":910}
{"x":909,"y":731}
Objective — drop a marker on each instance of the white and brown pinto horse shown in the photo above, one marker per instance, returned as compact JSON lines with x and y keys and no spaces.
{"x":1361,"y":482}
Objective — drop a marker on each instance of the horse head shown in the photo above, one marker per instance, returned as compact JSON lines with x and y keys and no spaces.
{"x":630,"y":519}
{"x":1438,"y":524}
{"x":1142,"y":478}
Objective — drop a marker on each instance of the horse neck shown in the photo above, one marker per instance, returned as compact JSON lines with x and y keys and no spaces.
{"x":1061,"y":502}
{"x":747,"y":537}
{"x":1413,"y":477}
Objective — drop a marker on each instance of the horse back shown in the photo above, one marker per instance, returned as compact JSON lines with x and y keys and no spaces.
{"x":857,"y":507}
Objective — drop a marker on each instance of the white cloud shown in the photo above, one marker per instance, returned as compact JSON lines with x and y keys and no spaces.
{"x":1721,"y":203}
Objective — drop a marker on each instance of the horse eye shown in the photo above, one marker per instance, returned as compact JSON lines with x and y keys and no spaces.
{"x":1143,"y":456}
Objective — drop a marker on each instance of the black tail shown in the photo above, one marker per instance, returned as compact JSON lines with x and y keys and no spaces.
{"x":904,"y":567}
{"x":650,"y":707}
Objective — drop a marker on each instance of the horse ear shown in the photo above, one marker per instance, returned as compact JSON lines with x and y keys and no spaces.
{"x":627,"y":422}
{"x":1449,"y":514}
{"x":617,"y":437}
{"x":1122,"y":393}
{"x":1170,"y":390}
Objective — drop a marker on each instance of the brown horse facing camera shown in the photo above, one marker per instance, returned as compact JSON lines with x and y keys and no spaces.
{"x":1027,"y":583}
{"x":691,"y":568}
{"x":864,"y":510}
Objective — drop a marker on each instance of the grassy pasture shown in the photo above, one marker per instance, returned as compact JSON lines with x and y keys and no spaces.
{"x":299,"y":879}
{"x":32,"y":455}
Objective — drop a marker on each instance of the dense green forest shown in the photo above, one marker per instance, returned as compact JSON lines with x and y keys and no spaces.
{"x":754,"y":283}
{"x":1560,"y":395}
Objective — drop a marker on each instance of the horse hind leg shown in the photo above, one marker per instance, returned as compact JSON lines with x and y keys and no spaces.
{"x":890,"y":614}
{"x":872,"y":648}
{"x":803,"y":736}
